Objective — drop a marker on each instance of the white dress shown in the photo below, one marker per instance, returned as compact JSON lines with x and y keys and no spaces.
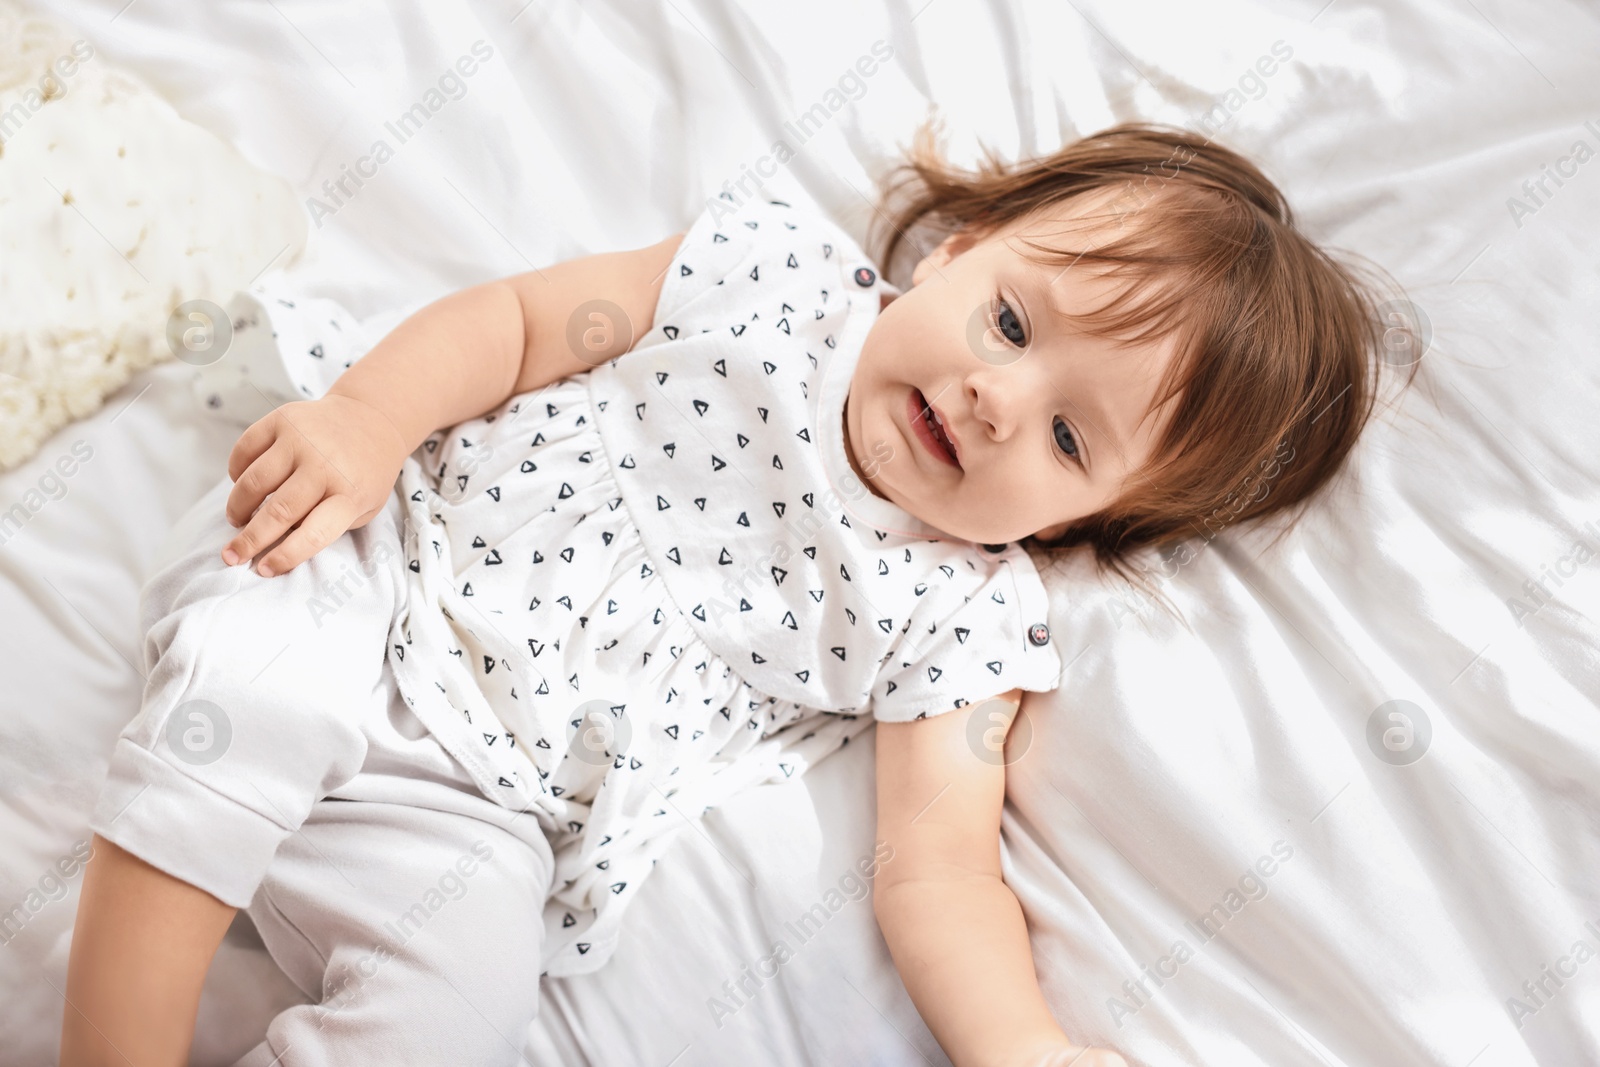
{"x":645,"y":587}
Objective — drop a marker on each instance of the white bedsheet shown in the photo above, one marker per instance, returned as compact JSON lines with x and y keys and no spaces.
{"x":1406,"y":903}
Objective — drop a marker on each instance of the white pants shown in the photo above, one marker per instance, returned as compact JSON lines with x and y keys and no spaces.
{"x":275,"y":765}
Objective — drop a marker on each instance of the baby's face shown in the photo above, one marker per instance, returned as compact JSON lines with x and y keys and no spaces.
{"x":1047,"y":420}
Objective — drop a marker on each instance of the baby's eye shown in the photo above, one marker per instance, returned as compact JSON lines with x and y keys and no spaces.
{"x":1064,"y":438}
{"x":1011,"y":326}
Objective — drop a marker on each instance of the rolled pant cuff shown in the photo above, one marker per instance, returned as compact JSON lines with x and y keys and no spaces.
{"x":150,"y":808}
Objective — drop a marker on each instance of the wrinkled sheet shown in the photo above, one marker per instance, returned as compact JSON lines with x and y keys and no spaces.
{"x":1379,"y":904}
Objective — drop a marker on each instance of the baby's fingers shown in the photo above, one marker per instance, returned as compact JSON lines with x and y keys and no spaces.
{"x":263,"y":476}
{"x":255,"y":440}
{"x":288,"y":504}
{"x":317,"y":531}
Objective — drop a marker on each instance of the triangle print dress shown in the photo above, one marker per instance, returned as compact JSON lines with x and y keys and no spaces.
{"x":645,"y":587}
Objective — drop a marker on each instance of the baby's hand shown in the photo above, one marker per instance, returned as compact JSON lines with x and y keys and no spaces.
{"x":329,"y":465}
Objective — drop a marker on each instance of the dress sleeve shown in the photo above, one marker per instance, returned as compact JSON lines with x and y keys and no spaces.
{"x":976,"y":632}
{"x":717,"y":245}
{"x":283,"y":346}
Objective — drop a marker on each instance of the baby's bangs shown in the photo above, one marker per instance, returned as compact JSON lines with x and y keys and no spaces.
{"x":1146,"y":305}
{"x":1176,"y":260}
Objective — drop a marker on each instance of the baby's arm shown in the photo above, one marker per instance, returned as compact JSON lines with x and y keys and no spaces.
{"x":330,"y":464}
{"x":954,"y":928}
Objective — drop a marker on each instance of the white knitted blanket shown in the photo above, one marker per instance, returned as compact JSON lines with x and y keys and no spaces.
{"x":113,"y":212}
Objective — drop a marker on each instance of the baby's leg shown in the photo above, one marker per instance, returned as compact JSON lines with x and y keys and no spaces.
{"x":255,"y":693}
{"x":417,"y":929}
{"x":130,"y":913}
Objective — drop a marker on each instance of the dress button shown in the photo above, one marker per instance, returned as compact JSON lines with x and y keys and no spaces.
{"x":865,"y":276}
{"x":994,"y":548}
{"x":1039,"y":633}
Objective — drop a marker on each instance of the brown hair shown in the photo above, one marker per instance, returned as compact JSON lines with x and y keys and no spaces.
{"x":1278,"y":342}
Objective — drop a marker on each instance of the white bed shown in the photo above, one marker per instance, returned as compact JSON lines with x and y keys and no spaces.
{"x":1406,"y":903}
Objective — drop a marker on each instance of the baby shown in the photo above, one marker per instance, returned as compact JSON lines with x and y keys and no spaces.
{"x":701,"y":507}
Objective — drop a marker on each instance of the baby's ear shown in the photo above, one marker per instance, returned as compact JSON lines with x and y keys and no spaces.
{"x":947,"y":250}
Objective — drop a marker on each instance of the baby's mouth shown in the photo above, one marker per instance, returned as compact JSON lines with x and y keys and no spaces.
{"x":930,"y":418}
